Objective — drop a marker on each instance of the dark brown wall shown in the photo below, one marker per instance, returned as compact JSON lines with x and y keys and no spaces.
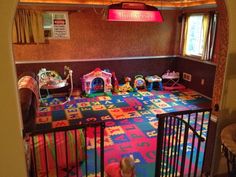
{"x":199,"y":71}
{"x":122,"y":68}
{"x":91,"y":36}
{"x":134,"y":67}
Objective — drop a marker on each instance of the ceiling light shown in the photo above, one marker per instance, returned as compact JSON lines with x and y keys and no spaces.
{"x":134,"y":11}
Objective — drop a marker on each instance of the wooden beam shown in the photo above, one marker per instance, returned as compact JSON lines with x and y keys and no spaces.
{"x":159,"y":3}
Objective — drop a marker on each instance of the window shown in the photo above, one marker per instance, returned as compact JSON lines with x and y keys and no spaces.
{"x":56,"y":25}
{"x":198,"y":35}
{"x":195,"y":38}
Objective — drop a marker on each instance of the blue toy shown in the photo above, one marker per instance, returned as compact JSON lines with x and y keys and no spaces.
{"x":151,"y":80}
{"x":139,"y":83}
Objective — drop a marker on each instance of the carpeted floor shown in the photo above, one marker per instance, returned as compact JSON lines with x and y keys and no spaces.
{"x":130,"y":118}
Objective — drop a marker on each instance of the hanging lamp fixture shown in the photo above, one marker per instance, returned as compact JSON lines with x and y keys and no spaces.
{"x":134,"y":11}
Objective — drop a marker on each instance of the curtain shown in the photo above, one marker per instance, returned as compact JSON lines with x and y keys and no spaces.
{"x":185,"y":33}
{"x":183,"y":19}
{"x":28,"y":27}
{"x":210,"y":38}
{"x":206,"y":30}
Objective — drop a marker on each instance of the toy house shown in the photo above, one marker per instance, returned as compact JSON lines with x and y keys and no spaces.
{"x":97,"y":82}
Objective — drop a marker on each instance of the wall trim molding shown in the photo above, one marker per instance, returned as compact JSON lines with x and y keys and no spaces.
{"x":160,"y":5}
{"x":114,"y":59}
{"x":95,"y":59}
{"x":197,"y":60}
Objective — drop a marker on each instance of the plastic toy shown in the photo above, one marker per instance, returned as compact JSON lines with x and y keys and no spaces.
{"x":139,"y":82}
{"x":115,"y":83}
{"x":172,"y":79}
{"x":49,"y":79}
{"x":151,"y":80}
{"x":97,"y":82}
{"x":126,"y":86}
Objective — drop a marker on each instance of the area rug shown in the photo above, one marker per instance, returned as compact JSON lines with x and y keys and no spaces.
{"x":130,"y":120}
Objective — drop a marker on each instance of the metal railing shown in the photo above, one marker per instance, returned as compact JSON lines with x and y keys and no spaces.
{"x":63,"y":151}
{"x":181,"y":143}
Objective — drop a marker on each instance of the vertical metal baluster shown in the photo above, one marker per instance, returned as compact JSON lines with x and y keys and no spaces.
{"x":177,"y":147}
{"x":179,"y":143}
{"x":203,"y":115}
{"x":197,"y":157}
{"x":184,"y":150}
{"x":45,"y":153}
{"x":95,"y":149}
{"x":172,"y":146}
{"x":76,"y":153}
{"x":67,"y":165}
{"x":55,"y":149}
{"x":163,"y":128}
{"x":193,"y":145}
{"x":159,"y":155}
{"x":199,"y":143}
{"x":201,"y":132}
{"x":102,"y":127}
{"x":86,"y":156}
{"x":189,"y":122}
{"x":175,"y":165}
{"x":165,"y":146}
{"x":169,"y":145}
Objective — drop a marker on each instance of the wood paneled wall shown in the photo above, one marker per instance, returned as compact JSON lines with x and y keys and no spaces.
{"x":199,"y":71}
{"x":122,"y":68}
{"x":134,"y":67}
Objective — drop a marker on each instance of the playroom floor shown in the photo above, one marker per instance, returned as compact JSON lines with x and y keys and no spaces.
{"x":130,"y":119}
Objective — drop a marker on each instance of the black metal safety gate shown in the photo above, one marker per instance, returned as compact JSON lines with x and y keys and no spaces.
{"x":67,"y":151}
{"x":181,"y":143}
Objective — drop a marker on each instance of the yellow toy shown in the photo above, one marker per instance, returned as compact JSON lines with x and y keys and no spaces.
{"x":126,"y":86}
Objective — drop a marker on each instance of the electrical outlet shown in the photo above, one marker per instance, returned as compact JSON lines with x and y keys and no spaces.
{"x":202,"y":81}
{"x":187,"y":77}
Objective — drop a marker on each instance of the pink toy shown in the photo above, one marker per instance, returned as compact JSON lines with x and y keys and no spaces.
{"x":97,"y":82}
{"x":172,"y":79}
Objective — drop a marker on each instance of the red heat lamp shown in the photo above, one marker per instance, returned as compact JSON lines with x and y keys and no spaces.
{"x":134,"y":12}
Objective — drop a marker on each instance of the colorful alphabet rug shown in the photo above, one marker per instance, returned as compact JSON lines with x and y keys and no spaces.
{"x":130,"y":120}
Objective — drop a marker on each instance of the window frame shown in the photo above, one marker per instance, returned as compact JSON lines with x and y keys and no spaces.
{"x":184,"y":36}
{"x":195,"y":55}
